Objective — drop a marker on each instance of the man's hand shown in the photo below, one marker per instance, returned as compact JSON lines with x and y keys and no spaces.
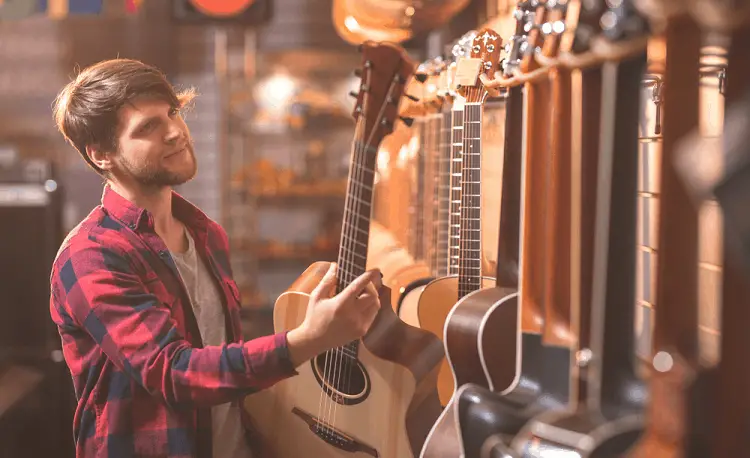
{"x":331,"y":322}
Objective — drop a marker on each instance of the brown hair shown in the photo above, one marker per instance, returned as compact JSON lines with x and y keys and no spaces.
{"x":86,"y":109}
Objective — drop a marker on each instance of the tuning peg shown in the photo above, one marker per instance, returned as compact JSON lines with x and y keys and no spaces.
{"x":354,"y":94}
{"x":407,"y":121}
{"x":412,"y":98}
{"x":421,"y":77}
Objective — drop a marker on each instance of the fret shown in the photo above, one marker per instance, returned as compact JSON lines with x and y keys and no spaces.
{"x":360,"y":200}
{"x":352,"y":252}
{"x":456,"y":161}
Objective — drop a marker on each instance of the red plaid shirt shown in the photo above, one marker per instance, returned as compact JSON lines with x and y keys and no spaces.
{"x":143,"y":380}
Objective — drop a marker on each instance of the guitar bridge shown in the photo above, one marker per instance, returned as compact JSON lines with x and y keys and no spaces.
{"x":333,"y":436}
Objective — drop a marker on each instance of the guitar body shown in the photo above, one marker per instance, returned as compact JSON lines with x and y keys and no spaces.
{"x":408,"y":310}
{"x":584,"y":434}
{"x":398,"y":267}
{"x":391,"y":395}
{"x":435,"y":304}
{"x":489,"y":419}
{"x":474,"y":328}
{"x":681,"y":406}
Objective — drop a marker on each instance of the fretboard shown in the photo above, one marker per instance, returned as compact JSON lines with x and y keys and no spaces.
{"x":417,"y":197}
{"x":443,"y":196}
{"x":355,"y":229}
{"x":470,"y":264}
{"x":454,"y":226}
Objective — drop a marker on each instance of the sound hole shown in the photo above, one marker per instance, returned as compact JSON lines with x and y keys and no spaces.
{"x":342,"y":377}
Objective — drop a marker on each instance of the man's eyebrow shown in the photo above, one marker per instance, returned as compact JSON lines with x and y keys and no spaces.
{"x":143,"y":121}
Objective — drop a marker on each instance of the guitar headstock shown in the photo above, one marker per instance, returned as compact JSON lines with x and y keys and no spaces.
{"x":621,"y":21}
{"x":554,"y":26}
{"x":484,"y":59}
{"x":516,"y":47}
{"x":460,"y":49}
{"x":534,"y":36}
{"x":385,"y":70}
{"x":432,"y":96}
{"x":581,"y":25}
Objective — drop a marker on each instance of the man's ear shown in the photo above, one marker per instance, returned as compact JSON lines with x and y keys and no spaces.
{"x":99,"y":157}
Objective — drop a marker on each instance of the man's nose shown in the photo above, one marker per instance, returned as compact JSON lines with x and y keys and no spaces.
{"x":174,"y":133}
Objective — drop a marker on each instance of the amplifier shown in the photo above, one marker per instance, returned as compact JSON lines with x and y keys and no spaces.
{"x":30,"y":235}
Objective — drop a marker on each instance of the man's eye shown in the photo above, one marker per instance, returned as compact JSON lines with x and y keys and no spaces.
{"x":173,"y":111}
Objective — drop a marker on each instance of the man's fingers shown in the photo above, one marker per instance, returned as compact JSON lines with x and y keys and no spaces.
{"x":323,"y":290}
{"x":355,"y":287}
{"x":370,"y":290}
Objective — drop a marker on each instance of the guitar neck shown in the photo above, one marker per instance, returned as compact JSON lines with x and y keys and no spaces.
{"x":586,"y":110}
{"x":470,"y":265}
{"x":355,"y":229}
{"x":536,"y":158}
{"x":508,"y":247}
{"x":612,"y":335}
{"x":454,"y":234}
{"x":557,"y":290}
{"x":431,"y":139}
{"x":443,"y":195}
{"x":417,"y":244}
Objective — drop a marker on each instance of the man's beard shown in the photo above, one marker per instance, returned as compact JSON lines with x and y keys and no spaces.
{"x":158,"y":176}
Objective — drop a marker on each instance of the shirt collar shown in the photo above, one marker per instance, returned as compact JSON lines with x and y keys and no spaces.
{"x":138,"y":218}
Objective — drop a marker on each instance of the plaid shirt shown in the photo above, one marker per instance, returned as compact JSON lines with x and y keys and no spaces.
{"x":143,"y":380}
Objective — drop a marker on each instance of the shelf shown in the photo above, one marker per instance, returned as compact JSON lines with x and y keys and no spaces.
{"x":270,"y":251}
{"x":288,"y":199}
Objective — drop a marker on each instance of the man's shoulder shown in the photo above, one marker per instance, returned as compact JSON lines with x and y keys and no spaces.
{"x":97,"y":230}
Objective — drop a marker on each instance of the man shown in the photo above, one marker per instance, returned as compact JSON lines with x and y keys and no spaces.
{"x":142,"y":291}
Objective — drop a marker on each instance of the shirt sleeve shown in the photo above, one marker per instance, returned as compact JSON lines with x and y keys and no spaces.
{"x":108,"y":299}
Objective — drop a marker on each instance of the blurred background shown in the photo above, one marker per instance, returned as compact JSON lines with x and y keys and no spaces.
{"x":272,"y":128}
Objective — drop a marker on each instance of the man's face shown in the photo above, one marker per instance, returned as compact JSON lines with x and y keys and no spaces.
{"x":154,"y":146}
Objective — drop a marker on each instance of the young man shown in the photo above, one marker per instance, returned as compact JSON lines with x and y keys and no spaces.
{"x":142,"y":290}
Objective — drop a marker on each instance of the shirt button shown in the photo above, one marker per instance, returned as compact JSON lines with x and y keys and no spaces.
{"x":132,"y":226}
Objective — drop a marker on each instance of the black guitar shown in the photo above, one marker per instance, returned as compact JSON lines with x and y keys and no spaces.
{"x":609,"y":419}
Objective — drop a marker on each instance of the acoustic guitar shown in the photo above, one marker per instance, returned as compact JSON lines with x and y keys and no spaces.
{"x":449,"y":190}
{"x":609,"y":418}
{"x":440,"y":296}
{"x":728,"y":185}
{"x":679,"y":411}
{"x":388,"y":250}
{"x":374,"y":396}
{"x":489,"y":420}
{"x":469,"y":330}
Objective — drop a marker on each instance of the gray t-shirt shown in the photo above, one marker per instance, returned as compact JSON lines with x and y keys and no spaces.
{"x":228,"y":434}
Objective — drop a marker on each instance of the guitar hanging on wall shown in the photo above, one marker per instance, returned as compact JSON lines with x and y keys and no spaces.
{"x":375,"y":396}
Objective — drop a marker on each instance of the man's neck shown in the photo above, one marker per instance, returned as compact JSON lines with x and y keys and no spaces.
{"x":158,"y":202}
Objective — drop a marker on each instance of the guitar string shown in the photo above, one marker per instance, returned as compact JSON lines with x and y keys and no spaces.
{"x":348,"y":246}
{"x":468,"y":279}
{"x":346,"y":255}
{"x":341,"y":274}
{"x":356,"y":173}
{"x":366,"y":150}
